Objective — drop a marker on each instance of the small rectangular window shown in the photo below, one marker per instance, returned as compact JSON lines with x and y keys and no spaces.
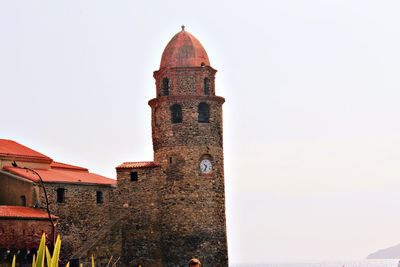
{"x":99,"y":197}
{"x":134,"y":176}
{"x":60,"y":195}
{"x":23,"y":201}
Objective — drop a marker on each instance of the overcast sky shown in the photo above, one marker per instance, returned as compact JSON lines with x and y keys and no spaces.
{"x":311,"y":119}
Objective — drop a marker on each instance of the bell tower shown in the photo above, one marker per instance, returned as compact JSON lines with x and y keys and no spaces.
{"x":187,"y":142}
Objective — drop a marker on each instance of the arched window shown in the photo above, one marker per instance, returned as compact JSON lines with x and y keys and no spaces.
{"x":204,"y":112}
{"x":176,"y":113}
{"x":166,"y":84}
{"x":206,"y":86}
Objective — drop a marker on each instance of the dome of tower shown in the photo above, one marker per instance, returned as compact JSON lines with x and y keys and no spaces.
{"x":184,"y":50}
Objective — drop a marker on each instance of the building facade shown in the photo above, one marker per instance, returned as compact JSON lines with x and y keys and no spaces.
{"x":81,"y":199}
{"x":184,"y":209}
{"x":159,"y":213}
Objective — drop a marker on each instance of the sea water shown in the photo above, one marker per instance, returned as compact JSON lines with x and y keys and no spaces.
{"x":363,"y":263}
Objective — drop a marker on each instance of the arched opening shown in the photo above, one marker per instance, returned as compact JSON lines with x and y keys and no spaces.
{"x":176,"y":113}
{"x":203,"y":112}
{"x":166,"y":84}
{"x":206,"y":86}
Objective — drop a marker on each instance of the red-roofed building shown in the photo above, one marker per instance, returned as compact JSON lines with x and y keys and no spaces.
{"x":22,"y":227}
{"x":79,"y":200}
{"x":20,"y":212}
{"x":156,"y":213}
{"x":12,"y":151}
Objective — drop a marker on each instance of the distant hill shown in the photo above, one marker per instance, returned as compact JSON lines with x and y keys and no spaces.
{"x":387,"y":253}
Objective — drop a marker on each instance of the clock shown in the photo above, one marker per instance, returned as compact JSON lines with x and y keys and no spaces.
{"x":205,"y":166}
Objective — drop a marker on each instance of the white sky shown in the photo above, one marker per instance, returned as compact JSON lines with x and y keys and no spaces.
{"x":311,"y":121}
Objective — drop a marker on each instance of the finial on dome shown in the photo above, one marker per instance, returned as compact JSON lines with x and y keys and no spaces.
{"x":183,"y":28}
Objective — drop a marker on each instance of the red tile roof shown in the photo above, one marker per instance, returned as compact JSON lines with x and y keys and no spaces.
{"x":184,"y":50}
{"x":12,"y":150}
{"x":61,"y":176}
{"x":23,"y":212}
{"x":138,"y":165}
{"x":59,"y":165}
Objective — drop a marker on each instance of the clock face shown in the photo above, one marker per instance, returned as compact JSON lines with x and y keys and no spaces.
{"x":205,"y":166}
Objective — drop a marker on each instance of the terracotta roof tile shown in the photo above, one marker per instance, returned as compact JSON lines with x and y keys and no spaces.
{"x":23,"y":212}
{"x":184,"y":50}
{"x":59,"y":165}
{"x":61,"y":176}
{"x":138,"y":165}
{"x":12,"y":150}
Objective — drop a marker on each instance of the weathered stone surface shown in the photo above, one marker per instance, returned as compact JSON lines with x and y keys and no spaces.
{"x":138,"y":208}
{"x":23,"y":234}
{"x":192,"y":221}
{"x":174,"y":212}
{"x":80,"y":216}
{"x":166,"y":213}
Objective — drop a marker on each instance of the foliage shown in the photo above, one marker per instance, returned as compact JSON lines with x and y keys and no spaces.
{"x":43,"y":253}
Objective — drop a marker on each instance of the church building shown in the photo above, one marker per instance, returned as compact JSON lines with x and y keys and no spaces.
{"x":160,"y":213}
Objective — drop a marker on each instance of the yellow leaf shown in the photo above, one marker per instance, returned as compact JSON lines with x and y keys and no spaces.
{"x":56,"y":252}
{"x":41,"y":252}
{"x":48,"y":257}
{"x":13,"y":262}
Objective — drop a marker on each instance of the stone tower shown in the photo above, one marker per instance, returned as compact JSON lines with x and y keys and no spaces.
{"x":187,"y":142}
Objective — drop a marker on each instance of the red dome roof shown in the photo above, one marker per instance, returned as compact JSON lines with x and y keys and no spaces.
{"x":184,"y":50}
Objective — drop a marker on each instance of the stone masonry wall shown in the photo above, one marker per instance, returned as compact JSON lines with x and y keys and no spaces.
{"x":182,"y":79}
{"x":189,"y":132}
{"x":192,"y":204}
{"x":138,"y":209}
{"x":24,"y":234}
{"x":193,"y":208}
{"x":80,"y":217}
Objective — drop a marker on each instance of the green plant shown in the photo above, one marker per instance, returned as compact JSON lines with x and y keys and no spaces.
{"x":43,"y":254}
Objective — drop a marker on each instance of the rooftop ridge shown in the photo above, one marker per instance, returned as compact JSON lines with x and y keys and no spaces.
{"x":60,"y":165}
{"x":138,"y":165}
{"x":12,"y":150}
{"x":23,"y":212}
